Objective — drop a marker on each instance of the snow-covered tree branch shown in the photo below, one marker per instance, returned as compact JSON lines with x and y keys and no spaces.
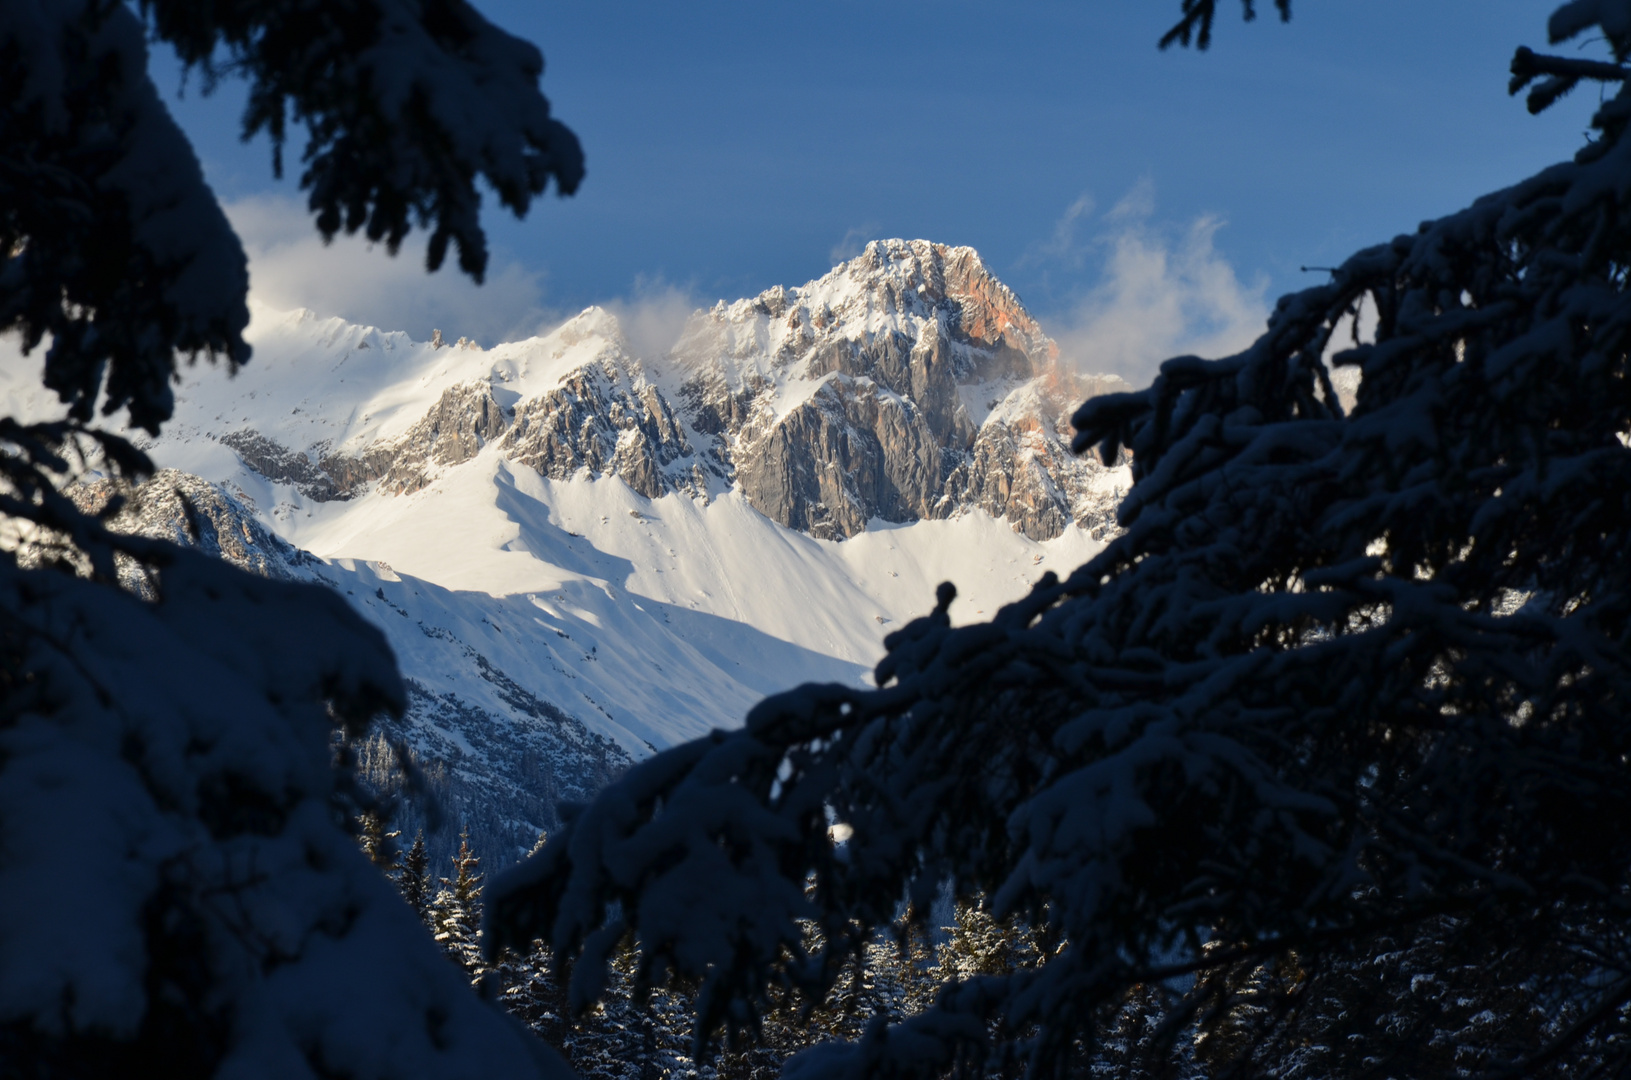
{"x":1349,"y":679}
{"x":112,"y":244}
{"x":183,"y":888}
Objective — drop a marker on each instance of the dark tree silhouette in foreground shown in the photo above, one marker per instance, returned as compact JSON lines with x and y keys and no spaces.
{"x":176,"y":845}
{"x":1347,"y":699}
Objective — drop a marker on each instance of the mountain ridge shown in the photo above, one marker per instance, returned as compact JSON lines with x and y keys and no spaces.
{"x":906,"y":384}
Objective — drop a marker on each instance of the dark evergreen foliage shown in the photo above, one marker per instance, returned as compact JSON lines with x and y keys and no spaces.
{"x":1196,"y":25}
{"x":398,"y":100}
{"x":1344,"y":702}
{"x":174,"y":834}
{"x":110,"y":242}
{"x":415,"y":878}
{"x":455,"y":912}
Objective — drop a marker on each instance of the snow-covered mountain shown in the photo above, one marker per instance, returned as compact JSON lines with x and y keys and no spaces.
{"x":907,"y":384}
{"x":581,"y":554}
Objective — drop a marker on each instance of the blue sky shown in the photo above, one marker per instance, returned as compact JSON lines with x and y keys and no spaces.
{"x":732,"y":146}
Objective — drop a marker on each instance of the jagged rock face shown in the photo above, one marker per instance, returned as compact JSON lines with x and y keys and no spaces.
{"x":464,"y":419}
{"x":907,"y":383}
{"x":849,"y":399}
{"x":598,"y":419}
{"x":277,"y":462}
{"x":848,"y":454}
{"x":1020,"y":466}
{"x":188,"y":510}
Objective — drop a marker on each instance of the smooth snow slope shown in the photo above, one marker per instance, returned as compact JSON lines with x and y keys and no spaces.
{"x":495,"y":526}
{"x":651,"y":620}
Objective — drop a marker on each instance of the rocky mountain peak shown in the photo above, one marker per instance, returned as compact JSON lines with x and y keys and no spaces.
{"x":906,"y":383}
{"x":865,"y":394}
{"x":981,"y":311}
{"x":895,"y":289}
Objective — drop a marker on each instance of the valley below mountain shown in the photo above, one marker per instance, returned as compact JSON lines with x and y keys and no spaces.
{"x":582,"y":555}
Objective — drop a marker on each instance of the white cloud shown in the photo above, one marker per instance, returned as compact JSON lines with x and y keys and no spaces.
{"x":1162,"y":292}
{"x":1063,"y":247}
{"x":291,"y":267}
{"x":1138,"y":205}
{"x":654,"y":316}
{"x":854,"y":242}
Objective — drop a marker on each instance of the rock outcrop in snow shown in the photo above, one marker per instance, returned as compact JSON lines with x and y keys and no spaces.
{"x":601,"y":419}
{"x":907,"y":383}
{"x":191,"y":511}
{"x":464,"y":419}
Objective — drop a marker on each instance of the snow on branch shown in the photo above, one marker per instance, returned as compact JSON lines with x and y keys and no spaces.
{"x":1349,"y":676}
{"x":406,"y":105}
{"x":180,"y":885}
{"x":111,"y":244}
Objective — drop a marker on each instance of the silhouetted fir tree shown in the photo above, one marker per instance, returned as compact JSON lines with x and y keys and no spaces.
{"x":414,"y":881}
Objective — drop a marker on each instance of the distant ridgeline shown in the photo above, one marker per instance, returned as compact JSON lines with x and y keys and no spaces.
{"x":907,"y":385}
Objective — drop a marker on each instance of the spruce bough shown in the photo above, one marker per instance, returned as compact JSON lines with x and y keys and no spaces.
{"x":1351,"y":685}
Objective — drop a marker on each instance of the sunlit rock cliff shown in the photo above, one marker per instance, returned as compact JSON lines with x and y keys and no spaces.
{"x":906,"y":384}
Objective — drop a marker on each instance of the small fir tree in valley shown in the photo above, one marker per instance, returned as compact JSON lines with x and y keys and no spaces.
{"x":626,"y":1035}
{"x":377,"y":843}
{"x":980,"y":945}
{"x":1139,"y":1044}
{"x":415,"y":878}
{"x":530,"y":990}
{"x":983,"y":945}
{"x":891,"y":977}
{"x":456,"y":911}
{"x":906,"y":966}
{"x":532,"y":994}
{"x":610,"y":1041}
